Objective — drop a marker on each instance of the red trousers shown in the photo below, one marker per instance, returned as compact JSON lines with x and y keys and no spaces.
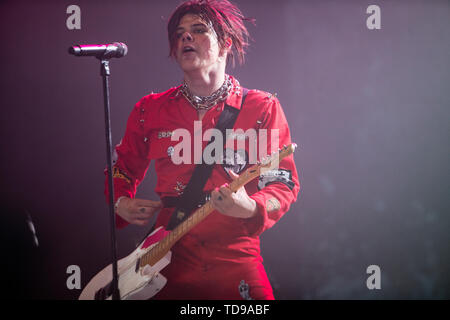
{"x":189,"y":277}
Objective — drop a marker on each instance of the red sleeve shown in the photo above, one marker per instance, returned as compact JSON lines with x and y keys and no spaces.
{"x":130,"y":161}
{"x":278,"y":188}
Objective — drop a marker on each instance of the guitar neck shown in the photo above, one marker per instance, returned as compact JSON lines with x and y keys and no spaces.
{"x":160,"y":250}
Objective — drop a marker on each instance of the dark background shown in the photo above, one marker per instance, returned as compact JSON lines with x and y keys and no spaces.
{"x":369,"y":110}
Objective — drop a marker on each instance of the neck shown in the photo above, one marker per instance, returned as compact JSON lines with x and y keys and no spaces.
{"x":204,"y":83}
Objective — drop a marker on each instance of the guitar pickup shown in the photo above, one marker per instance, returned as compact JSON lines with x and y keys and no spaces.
{"x":138,"y":261}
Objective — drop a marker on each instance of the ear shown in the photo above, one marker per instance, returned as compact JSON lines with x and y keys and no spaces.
{"x":228,"y":43}
{"x":227,"y":47}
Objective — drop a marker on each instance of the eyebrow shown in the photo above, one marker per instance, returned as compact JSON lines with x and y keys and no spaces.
{"x":194,"y":25}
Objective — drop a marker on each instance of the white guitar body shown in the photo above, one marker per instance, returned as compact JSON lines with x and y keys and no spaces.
{"x":135,"y":283}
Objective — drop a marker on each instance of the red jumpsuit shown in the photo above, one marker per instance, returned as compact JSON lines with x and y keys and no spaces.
{"x":211,"y":260}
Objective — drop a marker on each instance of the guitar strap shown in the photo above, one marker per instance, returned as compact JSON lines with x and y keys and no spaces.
{"x":193,"y":195}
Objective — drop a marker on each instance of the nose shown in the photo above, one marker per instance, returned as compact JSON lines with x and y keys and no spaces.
{"x":187,"y":37}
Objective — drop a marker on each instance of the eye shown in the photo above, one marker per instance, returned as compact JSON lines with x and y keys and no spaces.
{"x":200,"y":30}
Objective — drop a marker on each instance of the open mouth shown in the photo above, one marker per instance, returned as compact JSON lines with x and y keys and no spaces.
{"x":188,"y":49}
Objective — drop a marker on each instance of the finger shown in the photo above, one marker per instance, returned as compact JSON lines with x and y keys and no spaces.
{"x":141,"y":222}
{"x":224,"y":202}
{"x":148,"y":203}
{"x":215,"y":194}
{"x":141,"y":219}
{"x":143,"y":213}
{"x":225,"y":192}
{"x":233,"y":175}
{"x":221,"y":207}
{"x":217,"y":204}
{"x":221,"y":196}
{"x":216,"y":197}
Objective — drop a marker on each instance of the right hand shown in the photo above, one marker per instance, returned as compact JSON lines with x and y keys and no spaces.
{"x":138,"y":211}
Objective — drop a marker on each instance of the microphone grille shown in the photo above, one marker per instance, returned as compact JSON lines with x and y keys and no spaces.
{"x":75,"y":50}
{"x":122,"y":49}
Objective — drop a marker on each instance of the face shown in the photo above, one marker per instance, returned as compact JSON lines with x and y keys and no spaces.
{"x":197,"y":45}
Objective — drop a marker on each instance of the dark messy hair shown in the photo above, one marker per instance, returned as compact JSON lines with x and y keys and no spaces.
{"x":224,"y":17}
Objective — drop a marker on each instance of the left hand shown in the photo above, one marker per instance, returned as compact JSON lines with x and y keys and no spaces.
{"x":234,"y":204}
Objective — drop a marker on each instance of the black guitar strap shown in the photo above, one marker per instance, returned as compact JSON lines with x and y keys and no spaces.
{"x":193,"y":195}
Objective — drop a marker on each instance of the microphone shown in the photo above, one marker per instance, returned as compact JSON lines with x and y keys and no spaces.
{"x":101,"y":51}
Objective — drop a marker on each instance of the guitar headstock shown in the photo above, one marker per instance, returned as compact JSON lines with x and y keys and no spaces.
{"x":272,"y":161}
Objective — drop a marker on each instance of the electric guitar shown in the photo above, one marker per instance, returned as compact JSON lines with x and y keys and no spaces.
{"x":139,"y":276}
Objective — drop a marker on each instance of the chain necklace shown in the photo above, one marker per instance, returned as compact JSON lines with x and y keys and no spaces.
{"x":206,"y":103}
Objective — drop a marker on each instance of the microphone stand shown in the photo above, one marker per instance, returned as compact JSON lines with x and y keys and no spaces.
{"x":105,"y":73}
